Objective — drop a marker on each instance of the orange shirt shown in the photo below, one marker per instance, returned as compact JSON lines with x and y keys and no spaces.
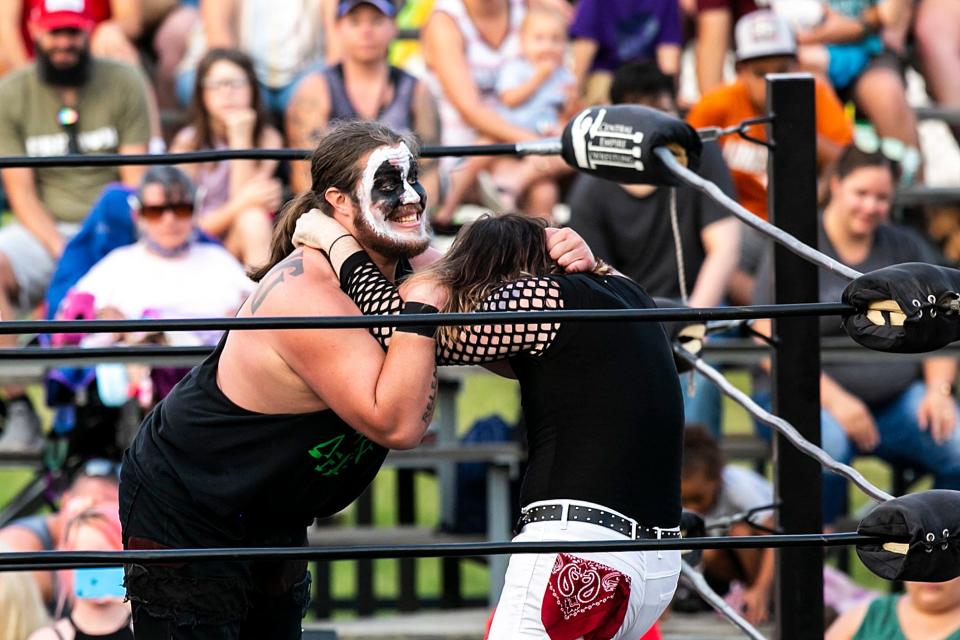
{"x":729,"y":105}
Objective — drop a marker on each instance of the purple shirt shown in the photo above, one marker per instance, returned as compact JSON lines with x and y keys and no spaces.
{"x":626,"y":30}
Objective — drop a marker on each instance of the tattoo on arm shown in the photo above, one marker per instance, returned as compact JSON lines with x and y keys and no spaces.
{"x":431,"y":400}
{"x":291,"y":266}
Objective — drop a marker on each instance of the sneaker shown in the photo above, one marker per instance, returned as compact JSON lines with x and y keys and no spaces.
{"x":21,"y":432}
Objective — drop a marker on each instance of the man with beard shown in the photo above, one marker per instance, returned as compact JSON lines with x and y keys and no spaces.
{"x":277,"y":428}
{"x":66,"y":102}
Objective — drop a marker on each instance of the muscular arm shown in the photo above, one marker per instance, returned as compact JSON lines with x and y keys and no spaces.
{"x":713,"y":40}
{"x":721,"y":244}
{"x":388,"y":397}
{"x":128,"y":15}
{"x":307,"y":116}
{"x":30,"y":211}
{"x":443,"y":50}
{"x":130,"y":175}
{"x":426,"y":124}
{"x":14,"y":48}
{"x":218,"y":22}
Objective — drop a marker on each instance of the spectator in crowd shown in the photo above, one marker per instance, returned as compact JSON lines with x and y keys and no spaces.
{"x":719,"y":491}
{"x":171,"y":22}
{"x":188,"y":278}
{"x":364,"y":86}
{"x":630,"y":227}
{"x":908,"y":414}
{"x":116,"y":25}
{"x":64,"y":102}
{"x":937,"y":29}
{"x":286,"y":40}
{"x":846,"y":45}
{"x":21,"y":609}
{"x":764,"y":44}
{"x":94,"y":484}
{"x":925,"y":610}
{"x":96,"y":596}
{"x":535,"y":92}
{"x":714,"y":22}
{"x":466,"y":43}
{"x":237,"y":198}
{"x":609,"y":33}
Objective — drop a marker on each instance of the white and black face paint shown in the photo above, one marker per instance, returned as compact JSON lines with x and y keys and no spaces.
{"x":392,"y":202}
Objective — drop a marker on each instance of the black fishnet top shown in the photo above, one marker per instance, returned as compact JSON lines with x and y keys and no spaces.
{"x":601,"y":400}
{"x":374,"y":294}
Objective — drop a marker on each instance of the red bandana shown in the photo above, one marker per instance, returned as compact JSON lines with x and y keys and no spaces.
{"x":584,"y":599}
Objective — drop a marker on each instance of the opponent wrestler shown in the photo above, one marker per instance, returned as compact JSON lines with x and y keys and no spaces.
{"x":278,"y":427}
{"x":604,"y":446}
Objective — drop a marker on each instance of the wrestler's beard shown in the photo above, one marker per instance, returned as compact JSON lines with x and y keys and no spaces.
{"x":73,"y":76}
{"x":388,"y":245}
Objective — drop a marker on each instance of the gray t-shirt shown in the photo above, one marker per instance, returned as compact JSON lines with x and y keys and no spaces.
{"x":740,"y":490}
{"x":634,"y":234}
{"x":112,"y":109}
{"x":892,"y":244}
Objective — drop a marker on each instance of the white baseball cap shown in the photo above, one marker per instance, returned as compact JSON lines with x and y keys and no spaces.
{"x":762,"y":34}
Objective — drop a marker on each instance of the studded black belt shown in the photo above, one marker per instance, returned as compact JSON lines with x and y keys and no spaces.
{"x":592,"y":515}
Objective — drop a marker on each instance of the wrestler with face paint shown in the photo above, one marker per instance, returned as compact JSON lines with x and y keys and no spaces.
{"x":391,"y":203}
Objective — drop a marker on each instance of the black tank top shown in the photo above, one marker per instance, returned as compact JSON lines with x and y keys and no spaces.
{"x":206,"y":458}
{"x":603,"y":408}
{"x":123,"y":633}
{"x":398,"y":115}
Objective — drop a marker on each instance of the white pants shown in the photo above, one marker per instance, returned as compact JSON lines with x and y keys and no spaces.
{"x":653,"y":579}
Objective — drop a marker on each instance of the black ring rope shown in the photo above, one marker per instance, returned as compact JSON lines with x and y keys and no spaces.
{"x":48,"y":560}
{"x":431,"y":319}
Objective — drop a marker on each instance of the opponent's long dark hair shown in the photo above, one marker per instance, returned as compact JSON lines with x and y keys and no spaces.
{"x":488,"y":253}
{"x":334,"y":163}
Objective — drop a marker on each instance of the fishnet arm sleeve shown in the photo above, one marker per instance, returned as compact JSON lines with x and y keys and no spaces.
{"x":371,"y":291}
{"x":487,"y":343}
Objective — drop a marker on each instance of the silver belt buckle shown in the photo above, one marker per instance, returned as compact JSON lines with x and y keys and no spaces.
{"x":633,"y":530}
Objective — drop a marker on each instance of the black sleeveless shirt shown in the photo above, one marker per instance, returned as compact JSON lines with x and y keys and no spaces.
{"x":202,"y":456}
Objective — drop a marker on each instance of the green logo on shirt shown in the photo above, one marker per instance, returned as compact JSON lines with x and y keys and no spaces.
{"x":335,"y":455}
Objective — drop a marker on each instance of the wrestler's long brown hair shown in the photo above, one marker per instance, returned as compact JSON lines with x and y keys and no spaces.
{"x":488,"y":253}
{"x":334,"y":163}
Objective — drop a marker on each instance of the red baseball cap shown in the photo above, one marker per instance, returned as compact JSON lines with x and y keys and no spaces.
{"x":51,"y":15}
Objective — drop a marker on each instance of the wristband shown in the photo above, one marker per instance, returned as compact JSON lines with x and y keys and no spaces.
{"x":427,"y":331}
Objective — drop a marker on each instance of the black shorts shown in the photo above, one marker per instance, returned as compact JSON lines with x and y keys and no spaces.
{"x":207,"y":600}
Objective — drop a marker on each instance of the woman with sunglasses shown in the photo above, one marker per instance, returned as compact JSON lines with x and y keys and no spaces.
{"x":236,"y":199}
{"x":157,"y":276}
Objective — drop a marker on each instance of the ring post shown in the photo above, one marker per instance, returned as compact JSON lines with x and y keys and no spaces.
{"x":796,"y":361}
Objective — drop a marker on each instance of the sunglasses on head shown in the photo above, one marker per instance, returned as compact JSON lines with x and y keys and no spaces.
{"x":181,"y":210}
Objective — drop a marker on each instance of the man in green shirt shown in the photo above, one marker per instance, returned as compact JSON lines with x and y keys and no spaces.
{"x":66,"y":102}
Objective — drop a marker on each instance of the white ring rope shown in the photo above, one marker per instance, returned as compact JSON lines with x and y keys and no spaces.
{"x":784,"y":428}
{"x":778,"y":235}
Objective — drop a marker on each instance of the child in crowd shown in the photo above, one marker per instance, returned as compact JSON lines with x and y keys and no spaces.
{"x":717,"y":491}
{"x":235,"y":199}
{"x":536,"y":92}
{"x":535,"y":89}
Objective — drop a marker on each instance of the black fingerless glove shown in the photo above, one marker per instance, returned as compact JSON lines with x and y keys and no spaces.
{"x":425,"y":330}
{"x":923,"y":291}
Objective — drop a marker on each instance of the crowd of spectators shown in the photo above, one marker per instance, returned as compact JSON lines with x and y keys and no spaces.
{"x":137,"y":76}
